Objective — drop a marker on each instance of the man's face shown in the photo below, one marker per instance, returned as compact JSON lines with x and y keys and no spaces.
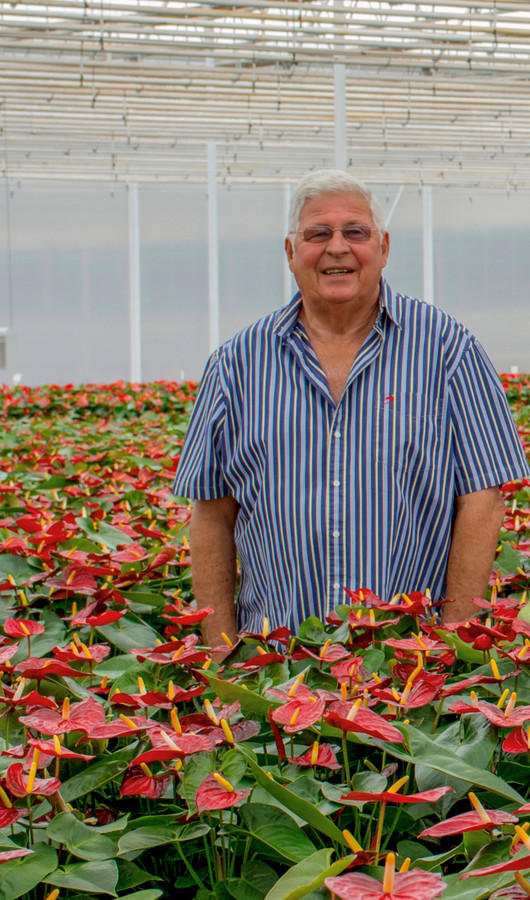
{"x":337,"y":272}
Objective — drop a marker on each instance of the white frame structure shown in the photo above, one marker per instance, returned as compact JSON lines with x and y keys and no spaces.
{"x":133,"y":90}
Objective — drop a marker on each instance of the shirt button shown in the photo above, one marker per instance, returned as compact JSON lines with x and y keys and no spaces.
{"x":337,"y":434}
{"x":336,"y":534}
{"x":336,"y":483}
{"x":336,"y":586}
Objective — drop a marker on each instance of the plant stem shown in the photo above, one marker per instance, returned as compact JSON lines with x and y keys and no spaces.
{"x":189,"y":867}
{"x":379,"y":831}
{"x":345,"y":759}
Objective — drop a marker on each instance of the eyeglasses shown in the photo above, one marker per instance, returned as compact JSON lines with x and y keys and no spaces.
{"x":321,"y":234}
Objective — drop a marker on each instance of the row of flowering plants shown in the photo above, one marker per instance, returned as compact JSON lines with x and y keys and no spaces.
{"x":374,"y":756}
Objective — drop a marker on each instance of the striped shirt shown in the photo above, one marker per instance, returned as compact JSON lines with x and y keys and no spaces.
{"x":358,"y":494}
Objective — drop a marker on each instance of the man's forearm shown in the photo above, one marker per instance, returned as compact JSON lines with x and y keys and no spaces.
{"x":478,"y":519}
{"x":213,"y":563}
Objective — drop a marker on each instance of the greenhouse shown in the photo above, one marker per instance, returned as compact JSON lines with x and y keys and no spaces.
{"x":356,"y":724}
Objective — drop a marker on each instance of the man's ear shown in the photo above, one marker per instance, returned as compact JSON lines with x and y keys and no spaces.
{"x":289,"y":250}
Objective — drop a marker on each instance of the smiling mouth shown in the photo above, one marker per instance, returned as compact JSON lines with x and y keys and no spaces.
{"x":338,"y":271}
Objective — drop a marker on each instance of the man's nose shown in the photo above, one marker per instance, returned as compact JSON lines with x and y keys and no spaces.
{"x":337,"y":242}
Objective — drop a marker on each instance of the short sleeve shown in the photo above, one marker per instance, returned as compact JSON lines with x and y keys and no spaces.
{"x":200,"y":471}
{"x":486,"y":446}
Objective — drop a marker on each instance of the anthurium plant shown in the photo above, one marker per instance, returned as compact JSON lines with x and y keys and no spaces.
{"x":373,"y":756}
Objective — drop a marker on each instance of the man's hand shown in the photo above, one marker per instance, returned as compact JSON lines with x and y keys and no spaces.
{"x":213,"y":565}
{"x":478,"y":520}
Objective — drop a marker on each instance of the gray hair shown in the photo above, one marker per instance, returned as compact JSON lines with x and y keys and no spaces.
{"x":331,"y":181}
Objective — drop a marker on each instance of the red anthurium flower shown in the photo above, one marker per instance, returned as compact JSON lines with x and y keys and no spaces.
{"x":393,"y":797}
{"x":6,"y":653}
{"x":138,"y":781}
{"x":328,"y":652}
{"x":130,"y":554}
{"x":33,"y":698}
{"x":414,"y":885}
{"x":216,"y":792}
{"x":470,"y":821}
{"x":124,"y":725}
{"x":56,"y":749}
{"x":508,"y":717}
{"x":419,"y":694}
{"x":73,"y":580}
{"x":280,"y":634}
{"x":259,"y":661}
{"x":517,"y":741}
{"x":97,"y":620}
{"x":80,"y":652}
{"x":347,"y":669}
{"x":511,"y":865}
{"x":83,"y":716}
{"x":186,"y":617}
{"x":22,"y":627}
{"x":41,"y":668}
{"x":20,"y":784}
{"x":7,"y":855}
{"x":297,"y":714}
{"x":317,"y":755}
{"x":417,"y":643}
{"x":170,"y":745}
{"x":354,"y":717}
{"x":8,"y":816}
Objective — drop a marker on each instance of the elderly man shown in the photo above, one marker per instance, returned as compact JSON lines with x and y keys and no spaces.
{"x":355,"y":438}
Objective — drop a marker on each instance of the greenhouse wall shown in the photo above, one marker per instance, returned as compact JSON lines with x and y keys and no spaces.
{"x":64,"y":272}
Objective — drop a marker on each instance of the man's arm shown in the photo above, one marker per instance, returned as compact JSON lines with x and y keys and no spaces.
{"x":213,"y":565}
{"x":476,"y":527}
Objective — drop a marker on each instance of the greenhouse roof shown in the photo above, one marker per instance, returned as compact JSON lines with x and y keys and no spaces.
{"x":132,"y":90}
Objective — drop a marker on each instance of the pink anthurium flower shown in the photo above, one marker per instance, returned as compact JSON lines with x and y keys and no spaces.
{"x":470,"y":821}
{"x":297,"y":714}
{"x":354,"y":717}
{"x":7,"y":855}
{"x":317,"y":755}
{"x":416,"y":884}
{"x":216,"y":792}
{"x":83,"y":716}
{"x":73,"y":580}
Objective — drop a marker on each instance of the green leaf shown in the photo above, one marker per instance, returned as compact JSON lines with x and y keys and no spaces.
{"x":146,"y":598}
{"x":81,"y":840}
{"x":20,"y":876}
{"x":257,"y":878}
{"x":104,"y":534}
{"x":524,"y":613}
{"x":127,"y":635}
{"x":149,"y":836}
{"x":16,"y":566}
{"x":289,"y":841}
{"x":301,"y":807}
{"x":509,"y":560}
{"x":250,"y":701}
{"x":198,"y":767}
{"x":307,"y":876}
{"x":93,"y":877}
{"x":427,"y":752}
{"x":143,"y":895}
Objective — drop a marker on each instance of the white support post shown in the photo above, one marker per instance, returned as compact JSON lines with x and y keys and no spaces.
{"x":428,"y":245}
{"x":341,"y":150}
{"x":135,"y":319}
{"x":392,"y":210}
{"x":213,"y":250}
{"x":287,"y":275}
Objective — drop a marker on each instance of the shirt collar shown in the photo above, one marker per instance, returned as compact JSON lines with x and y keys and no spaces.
{"x":287,"y":317}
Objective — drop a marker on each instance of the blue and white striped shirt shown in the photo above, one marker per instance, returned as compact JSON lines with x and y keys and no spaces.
{"x":358,"y":494}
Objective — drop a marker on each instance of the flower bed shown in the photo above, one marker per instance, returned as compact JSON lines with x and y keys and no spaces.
{"x":373,"y":755}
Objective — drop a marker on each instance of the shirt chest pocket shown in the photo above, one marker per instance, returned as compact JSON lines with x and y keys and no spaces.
{"x":409,"y":432}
